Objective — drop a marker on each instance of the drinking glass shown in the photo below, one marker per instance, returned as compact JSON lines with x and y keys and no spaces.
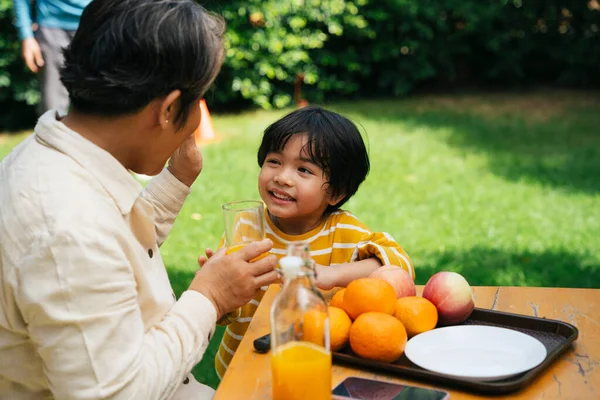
{"x":244,"y":223}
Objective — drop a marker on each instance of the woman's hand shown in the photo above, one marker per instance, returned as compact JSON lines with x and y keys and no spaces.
{"x":230,"y":281}
{"x":186,"y":162}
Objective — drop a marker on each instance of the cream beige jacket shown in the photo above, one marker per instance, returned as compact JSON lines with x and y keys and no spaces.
{"x":86,"y":307}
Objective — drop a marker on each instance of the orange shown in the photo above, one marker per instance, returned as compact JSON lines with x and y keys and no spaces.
{"x":378,"y":336}
{"x":369,"y":294}
{"x":337,"y":299}
{"x":313,"y":327}
{"x":339,"y":328}
{"x":417,"y":314}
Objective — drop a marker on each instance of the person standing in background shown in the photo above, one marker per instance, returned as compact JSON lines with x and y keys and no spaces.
{"x":57,"y":21}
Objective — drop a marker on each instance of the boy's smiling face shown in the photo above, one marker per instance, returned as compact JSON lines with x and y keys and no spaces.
{"x":294,"y":188}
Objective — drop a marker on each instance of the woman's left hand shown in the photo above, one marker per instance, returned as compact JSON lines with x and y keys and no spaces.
{"x":186,"y":162}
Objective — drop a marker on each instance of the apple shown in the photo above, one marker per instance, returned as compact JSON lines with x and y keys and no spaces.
{"x":451,"y":294}
{"x":400,"y":280}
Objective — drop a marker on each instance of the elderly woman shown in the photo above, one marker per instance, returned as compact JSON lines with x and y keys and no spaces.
{"x":86,"y":308}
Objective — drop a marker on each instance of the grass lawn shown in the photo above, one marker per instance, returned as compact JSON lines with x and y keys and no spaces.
{"x":503,"y":188}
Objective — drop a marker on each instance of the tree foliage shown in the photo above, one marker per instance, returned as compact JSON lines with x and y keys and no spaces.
{"x":365,"y":48}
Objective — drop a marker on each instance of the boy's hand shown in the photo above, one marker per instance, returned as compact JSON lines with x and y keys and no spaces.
{"x":326,"y":277}
{"x":203,"y":259}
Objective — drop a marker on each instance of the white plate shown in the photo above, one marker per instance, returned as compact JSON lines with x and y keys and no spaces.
{"x":481,"y":353}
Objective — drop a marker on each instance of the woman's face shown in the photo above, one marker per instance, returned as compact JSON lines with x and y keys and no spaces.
{"x":162,"y":145}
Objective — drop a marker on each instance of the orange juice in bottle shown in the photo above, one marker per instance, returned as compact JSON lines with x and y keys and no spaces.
{"x":301,"y":370}
{"x":301,"y":356}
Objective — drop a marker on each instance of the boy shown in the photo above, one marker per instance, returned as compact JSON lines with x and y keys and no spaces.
{"x":312,"y":162}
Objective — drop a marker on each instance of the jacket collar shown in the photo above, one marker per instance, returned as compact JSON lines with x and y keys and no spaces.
{"x":112,"y":175}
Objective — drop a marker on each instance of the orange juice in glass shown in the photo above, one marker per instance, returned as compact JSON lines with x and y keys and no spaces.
{"x":234,"y":248}
{"x":301,"y":370}
{"x":244,"y":223}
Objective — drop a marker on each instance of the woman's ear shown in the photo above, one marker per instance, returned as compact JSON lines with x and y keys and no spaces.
{"x":168,"y":109}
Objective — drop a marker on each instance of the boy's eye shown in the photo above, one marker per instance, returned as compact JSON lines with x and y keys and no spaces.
{"x":272,"y":161}
{"x":304,"y":170}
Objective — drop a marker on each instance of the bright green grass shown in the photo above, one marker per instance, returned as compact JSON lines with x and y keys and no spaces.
{"x":503,"y":188}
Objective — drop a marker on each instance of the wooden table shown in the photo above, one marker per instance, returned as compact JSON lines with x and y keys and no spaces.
{"x":575,"y":375}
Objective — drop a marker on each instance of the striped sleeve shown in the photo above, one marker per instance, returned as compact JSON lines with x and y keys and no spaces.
{"x":350,"y":232}
{"x":385,"y":248}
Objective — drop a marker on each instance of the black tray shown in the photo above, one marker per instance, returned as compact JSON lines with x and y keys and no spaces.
{"x":557,"y":336}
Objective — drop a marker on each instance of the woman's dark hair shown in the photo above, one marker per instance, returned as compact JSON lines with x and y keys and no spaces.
{"x":127,"y":53}
{"x":333,"y":143}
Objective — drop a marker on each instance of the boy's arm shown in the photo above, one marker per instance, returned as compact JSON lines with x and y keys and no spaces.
{"x":342,"y":274}
{"x":383,"y":246}
{"x":371,"y":250}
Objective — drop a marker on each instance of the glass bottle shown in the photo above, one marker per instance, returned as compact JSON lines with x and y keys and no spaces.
{"x":300,"y":352}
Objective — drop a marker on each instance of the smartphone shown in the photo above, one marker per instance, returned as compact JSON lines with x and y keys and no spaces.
{"x":263,"y":343}
{"x":360,"y":388}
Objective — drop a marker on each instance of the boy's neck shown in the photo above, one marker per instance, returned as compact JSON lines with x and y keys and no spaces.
{"x":295,"y":227}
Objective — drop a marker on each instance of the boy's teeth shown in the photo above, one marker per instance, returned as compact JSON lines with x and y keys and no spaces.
{"x":282,"y":197}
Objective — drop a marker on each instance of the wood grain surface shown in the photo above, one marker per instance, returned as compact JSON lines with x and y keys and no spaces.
{"x":575,"y":375}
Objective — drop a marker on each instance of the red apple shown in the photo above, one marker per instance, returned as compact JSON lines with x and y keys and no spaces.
{"x":400,"y":280}
{"x":451,"y":294}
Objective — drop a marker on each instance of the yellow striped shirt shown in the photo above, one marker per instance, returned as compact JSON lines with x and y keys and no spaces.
{"x":340,"y":239}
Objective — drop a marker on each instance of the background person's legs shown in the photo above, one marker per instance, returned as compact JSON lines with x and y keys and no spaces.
{"x":54,"y":95}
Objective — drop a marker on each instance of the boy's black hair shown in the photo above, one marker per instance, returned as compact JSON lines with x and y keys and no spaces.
{"x":127,"y":53}
{"x":334,"y":144}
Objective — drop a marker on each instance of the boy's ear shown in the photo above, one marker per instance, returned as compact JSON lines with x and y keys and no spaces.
{"x":334,"y":200}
